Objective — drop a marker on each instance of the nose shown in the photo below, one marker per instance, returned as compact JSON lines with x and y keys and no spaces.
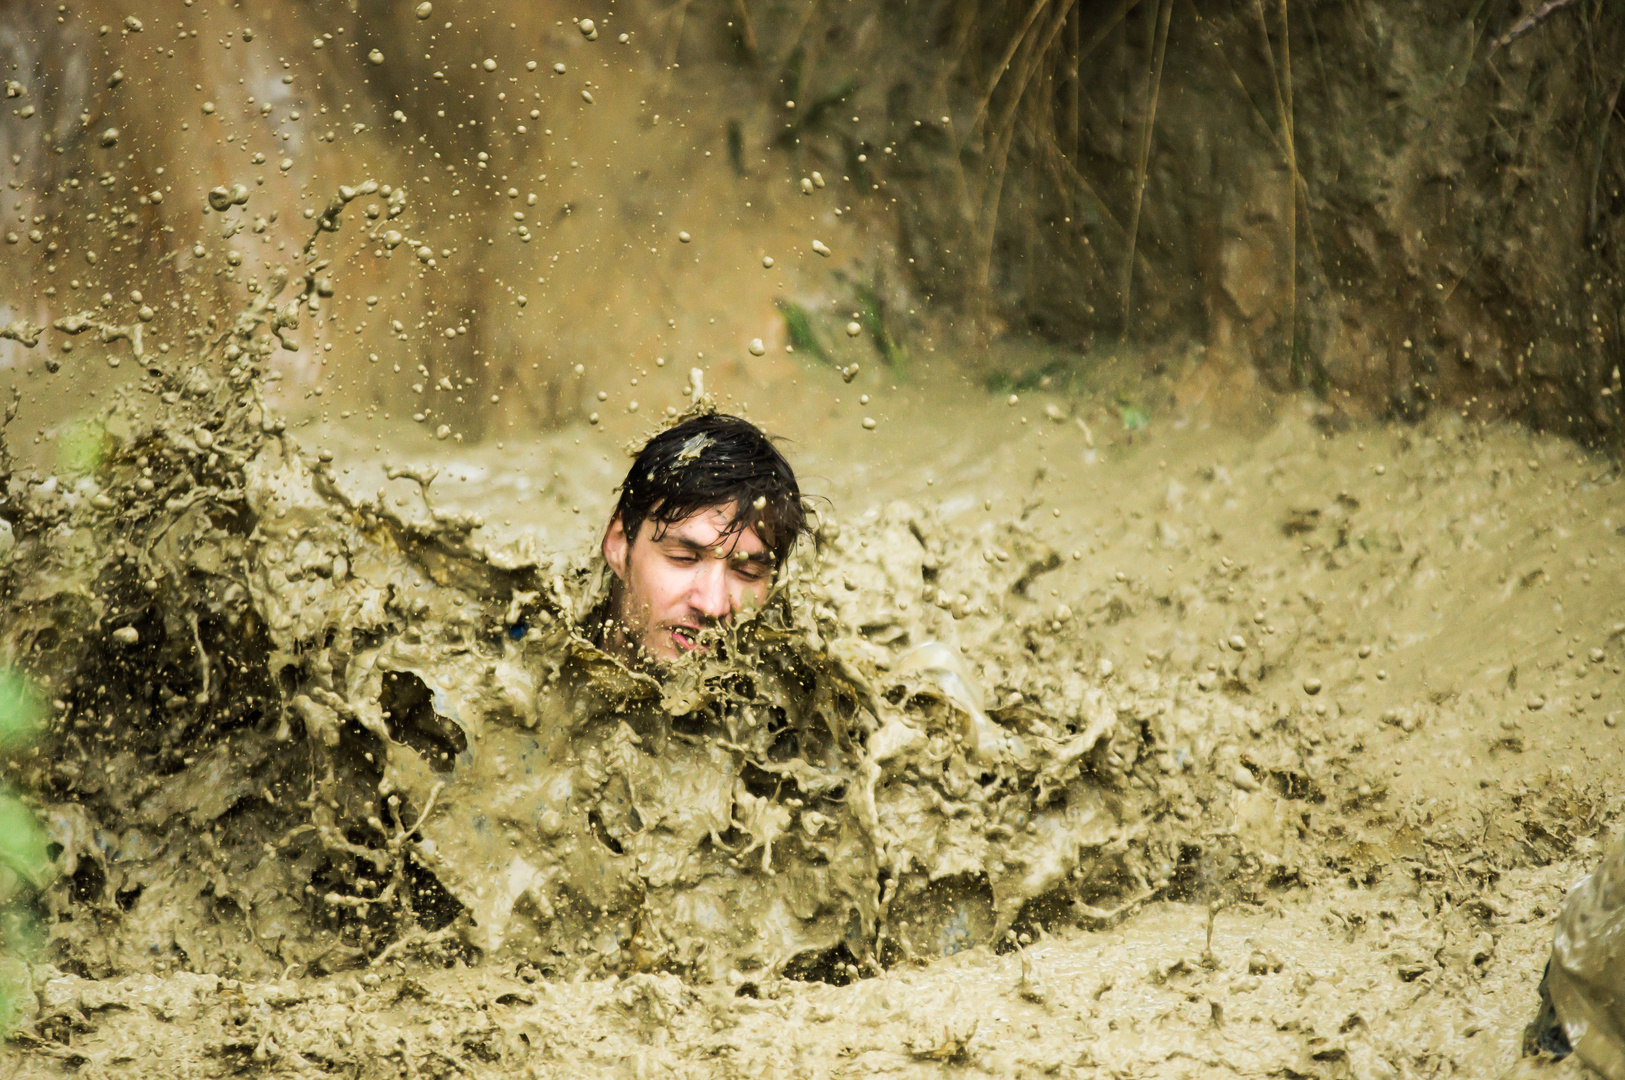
{"x":709,"y":594}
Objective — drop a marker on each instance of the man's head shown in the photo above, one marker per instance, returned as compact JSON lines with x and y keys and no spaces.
{"x":708,"y":513}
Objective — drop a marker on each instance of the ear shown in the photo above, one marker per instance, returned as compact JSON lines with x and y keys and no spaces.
{"x":616,"y":547}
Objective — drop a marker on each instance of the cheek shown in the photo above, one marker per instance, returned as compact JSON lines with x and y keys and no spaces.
{"x":756,"y":590}
{"x":661,"y":585}
{"x":640,"y":580}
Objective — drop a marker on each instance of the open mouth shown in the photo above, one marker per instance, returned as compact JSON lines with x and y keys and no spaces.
{"x":685,"y":637}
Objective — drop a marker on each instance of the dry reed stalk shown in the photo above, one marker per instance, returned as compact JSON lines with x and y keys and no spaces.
{"x":1164,"y":14}
{"x":980,"y":209}
{"x":1112,"y":23}
{"x":1602,"y":145}
{"x":1055,"y":163}
{"x":1208,"y":38}
{"x":795,"y":38}
{"x":1071,"y":103}
{"x":749,"y":35}
{"x":1281,"y":83}
{"x":679,"y":13}
{"x":1016,"y":43}
{"x":1049,"y":39}
{"x":1291,"y":120}
{"x":1528,"y":23}
{"x":965,"y":13}
{"x":1031,"y":60}
{"x":1064,"y":174}
{"x":987,"y":217}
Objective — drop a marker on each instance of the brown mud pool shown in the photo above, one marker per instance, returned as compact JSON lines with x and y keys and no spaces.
{"x":1183,"y":752}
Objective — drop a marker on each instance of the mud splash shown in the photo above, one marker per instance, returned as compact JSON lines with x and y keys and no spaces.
{"x":1279,"y":647}
{"x":298,"y":730}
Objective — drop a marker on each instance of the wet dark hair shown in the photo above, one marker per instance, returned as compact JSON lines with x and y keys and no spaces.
{"x":715,"y":459}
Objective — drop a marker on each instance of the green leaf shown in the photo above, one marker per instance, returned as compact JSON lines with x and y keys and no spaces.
{"x":21,"y":711}
{"x":23,"y":842}
{"x":81,"y":447}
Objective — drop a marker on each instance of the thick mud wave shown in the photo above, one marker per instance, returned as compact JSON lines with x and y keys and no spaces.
{"x":293,"y":729}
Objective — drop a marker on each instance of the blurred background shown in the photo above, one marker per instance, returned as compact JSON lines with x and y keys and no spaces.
{"x":1394,"y":206}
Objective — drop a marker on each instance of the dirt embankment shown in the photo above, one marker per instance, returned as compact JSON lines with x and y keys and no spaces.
{"x":1400,"y":207}
{"x":1439,"y":236}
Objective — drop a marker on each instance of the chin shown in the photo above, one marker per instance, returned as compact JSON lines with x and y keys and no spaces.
{"x":661,"y":649}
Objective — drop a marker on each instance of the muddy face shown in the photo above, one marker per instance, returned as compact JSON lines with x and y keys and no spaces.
{"x":677,"y":580}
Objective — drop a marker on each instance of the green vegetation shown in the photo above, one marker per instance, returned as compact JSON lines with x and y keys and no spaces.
{"x":25,"y":863}
{"x":80,"y":447}
{"x":873,"y":313}
{"x":1056,"y":369}
{"x":1133,"y":417}
{"x":798,"y":321}
{"x":21,"y":712}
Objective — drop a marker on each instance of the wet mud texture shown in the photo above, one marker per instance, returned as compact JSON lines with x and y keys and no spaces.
{"x":1315,"y":991}
{"x":317,"y":754}
{"x":296,"y":731}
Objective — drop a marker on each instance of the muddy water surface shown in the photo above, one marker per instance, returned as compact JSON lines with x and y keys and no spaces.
{"x":1196,"y":751}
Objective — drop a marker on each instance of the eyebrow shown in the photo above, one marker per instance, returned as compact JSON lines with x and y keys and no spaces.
{"x":762,"y":557}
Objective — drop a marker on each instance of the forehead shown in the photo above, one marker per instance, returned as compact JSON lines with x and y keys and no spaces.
{"x":708,"y":528}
